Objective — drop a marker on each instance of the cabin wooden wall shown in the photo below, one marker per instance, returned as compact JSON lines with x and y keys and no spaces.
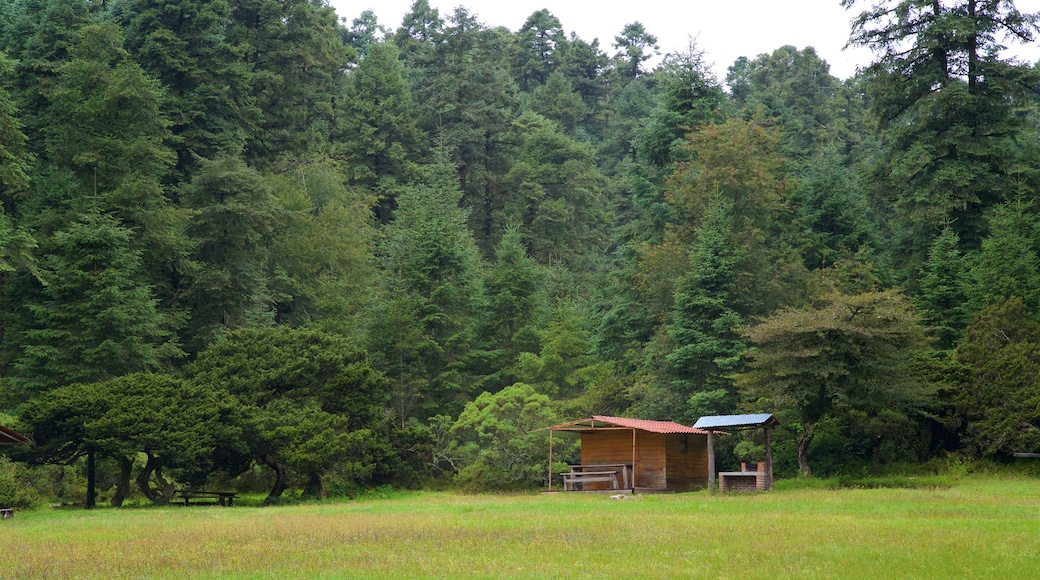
{"x":686,"y":471}
{"x":660,"y":462}
{"x":650,"y":460}
{"x":606,"y":447}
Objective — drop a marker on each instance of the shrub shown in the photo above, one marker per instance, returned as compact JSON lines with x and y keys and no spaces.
{"x":16,"y":490}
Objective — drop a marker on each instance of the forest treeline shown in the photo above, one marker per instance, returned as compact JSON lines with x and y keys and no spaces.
{"x":244,"y":241}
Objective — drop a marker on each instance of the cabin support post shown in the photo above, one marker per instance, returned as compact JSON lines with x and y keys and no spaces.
{"x":550,"y":459}
{"x":769,"y":459}
{"x":711,"y":460}
{"x":635,"y":470}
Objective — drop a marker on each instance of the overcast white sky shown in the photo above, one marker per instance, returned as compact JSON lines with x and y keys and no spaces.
{"x":724,"y":29}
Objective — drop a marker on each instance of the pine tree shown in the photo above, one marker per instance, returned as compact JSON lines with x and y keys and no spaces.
{"x":944,"y":301}
{"x":235,"y":217}
{"x":88,"y":318}
{"x":706,"y":346}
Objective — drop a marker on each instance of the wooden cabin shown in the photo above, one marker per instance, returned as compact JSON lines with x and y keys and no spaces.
{"x":643,"y":455}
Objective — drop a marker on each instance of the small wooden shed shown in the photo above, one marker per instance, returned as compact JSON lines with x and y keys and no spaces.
{"x":660,"y":455}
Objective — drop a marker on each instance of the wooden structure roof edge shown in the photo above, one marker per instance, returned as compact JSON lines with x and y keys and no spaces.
{"x":604,"y":422}
{"x":9,"y":437}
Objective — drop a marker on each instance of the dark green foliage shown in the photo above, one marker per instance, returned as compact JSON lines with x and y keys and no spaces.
{"x":556,"y":100}
{"x":703,"y":332}
{"x":480,"y":208}
{"x":540,"y":44}
{"x":87,"y":317}
{"x":512,"y":307}
{"x":234,"y":219}
{"x":832,"y":214}
{"x":421,"y":331}
{"x":944,"y":102}
{"x":176,"y":424}
{"x":690,"y":96}
{"x":208,"y":77}
{"x":555,"y":194}
{"x":999,"y":398}
{"x":844,"y":353}
{"x":16,"y":490}
{"x":1008,"y":264}
{"x":943,"y":301}
{"x":376,"y":130}
{"x":795,"y":87}
{"x":296,"y":61}
{"x":465,"y":98}
{"x":634,"y":46}
{"x":323,"y":259}
{"x":311,"y":403}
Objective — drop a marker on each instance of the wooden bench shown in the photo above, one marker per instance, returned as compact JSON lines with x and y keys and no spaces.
{"x":6,"y":513}
{"x":573,"y":478}
{"x":190,"y":496}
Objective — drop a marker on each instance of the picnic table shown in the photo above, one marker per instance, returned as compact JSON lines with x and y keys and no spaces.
{"x":224,"y":498}
{"x":600,"y":473}
{"x":6,"y":513}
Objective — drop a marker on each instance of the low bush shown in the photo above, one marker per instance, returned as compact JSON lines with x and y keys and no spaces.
{"x":16,"y":490}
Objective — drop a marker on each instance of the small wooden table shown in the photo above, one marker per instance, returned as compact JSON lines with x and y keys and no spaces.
{"x":224,"y":498}
{"x":6,"y":513}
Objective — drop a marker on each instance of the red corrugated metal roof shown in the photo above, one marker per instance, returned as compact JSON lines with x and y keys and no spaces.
{"x":641,"y":424}
{"x":9,"y":437}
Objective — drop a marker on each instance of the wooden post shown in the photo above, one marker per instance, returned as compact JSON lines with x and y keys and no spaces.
{"x":769,"y":461}
{"x":711,"y":460}
{"x":550,"y":459}
{"x":634,"y":469}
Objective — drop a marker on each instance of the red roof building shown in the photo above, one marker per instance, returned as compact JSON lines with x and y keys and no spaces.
{"x":643,"y":455}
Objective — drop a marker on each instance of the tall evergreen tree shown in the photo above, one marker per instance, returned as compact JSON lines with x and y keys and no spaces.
{"x":185,"y":45}
{"x":635,"y":46}
{"x":87,"y":317}
{"x":377,"y":130}
{"x":706,"y":346}
{"x":1008,"y":264}
{"x":944,"y":98}
{"x":689,"y":96}
{"x":465,"y":96}
{"x":555,"y":194}
{"x":430,"y":273}
{"x":945,"y":284}
{"x":999,"y":398}
{"x":235,"y":217}
{"x":513,"y":303}
{"x":540,"y":44}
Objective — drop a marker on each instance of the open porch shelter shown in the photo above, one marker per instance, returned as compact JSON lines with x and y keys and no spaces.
{"x":713,"y":424}
{"x":619,"y":453}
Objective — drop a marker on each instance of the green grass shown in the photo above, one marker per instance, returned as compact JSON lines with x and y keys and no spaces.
{"x":982,"y":527}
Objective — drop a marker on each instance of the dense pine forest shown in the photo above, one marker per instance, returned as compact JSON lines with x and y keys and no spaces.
{"x":246,"y":242}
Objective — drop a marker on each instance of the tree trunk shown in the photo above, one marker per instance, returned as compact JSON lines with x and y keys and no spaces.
{"x":144,"y":476}
{"x":281,"y":476}
{"x":91,"y":476}
{"x":164,"y":489}
{"x":803,"y":451}
{"x":314,"y":486}
{"x":123,"y":485}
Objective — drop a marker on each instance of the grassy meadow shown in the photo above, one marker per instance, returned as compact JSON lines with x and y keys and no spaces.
{"x":982,"y":527}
